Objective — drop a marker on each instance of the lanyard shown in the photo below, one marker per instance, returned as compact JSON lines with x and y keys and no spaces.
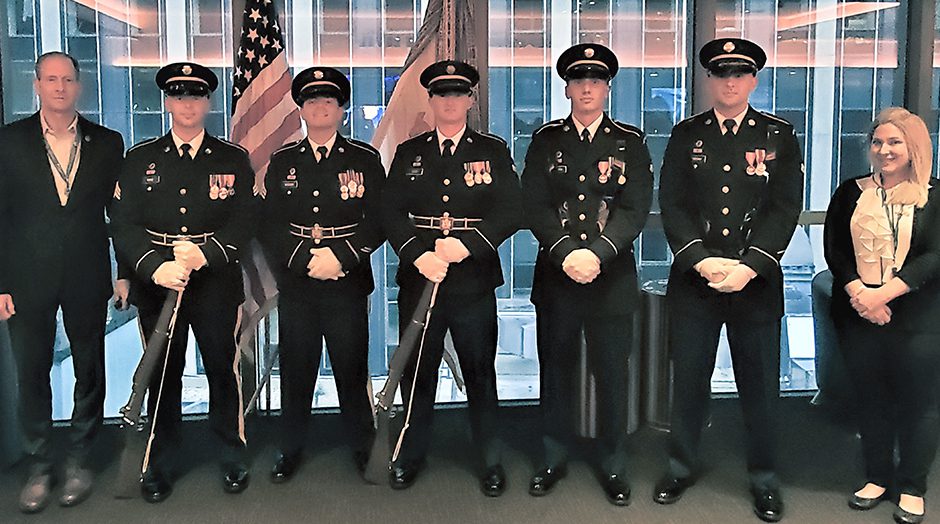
{"x":64,"y":174}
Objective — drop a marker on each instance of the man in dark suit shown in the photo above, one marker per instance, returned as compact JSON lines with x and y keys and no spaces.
{"x":321,"y":226}
{"x":185,"y":210}
{"x":451,"y":198}
{"x":731,"y":192}
{"x":58,"y":176}
{"x":588,"y":185}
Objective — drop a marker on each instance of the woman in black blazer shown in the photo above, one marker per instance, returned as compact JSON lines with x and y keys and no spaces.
{"x":882,"y":243}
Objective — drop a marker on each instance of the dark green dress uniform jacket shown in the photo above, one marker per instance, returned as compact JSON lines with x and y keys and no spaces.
{"x":595,"y":196}
{"x":303,"y":192}
{"x":713,"y":206}
{"x":422,"y":183}
{"x":164,"y":193}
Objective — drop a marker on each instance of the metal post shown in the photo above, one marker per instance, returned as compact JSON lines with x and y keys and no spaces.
{"x":918,"y":61}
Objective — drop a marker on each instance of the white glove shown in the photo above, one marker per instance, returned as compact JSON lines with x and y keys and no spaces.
{"x":582,"y":266}
{"x":715,"y":269}
{"x":324,"y":265}
{"x":431,"y":266}
{"x":451,"y":250}
{"x":171,"y":275}
{"x":737,"y":278}
{"x":189,"y":255}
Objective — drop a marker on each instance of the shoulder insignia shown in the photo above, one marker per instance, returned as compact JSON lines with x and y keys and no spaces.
{"x":363,"y":145}
{"x":287,"y":146}
{"x":628,"y":128}
{"x":142,"y":144}
{"x":494,"y":137}
{"x":549,"y":125}
{"x":776,"y":118}
{"x":233,"y":144}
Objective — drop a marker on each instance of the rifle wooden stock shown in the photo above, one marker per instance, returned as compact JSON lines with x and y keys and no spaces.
{"x":380,"y":456}
{"x":135,"y":431}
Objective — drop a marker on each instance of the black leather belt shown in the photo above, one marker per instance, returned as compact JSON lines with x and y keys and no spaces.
{"x":166,"y":239}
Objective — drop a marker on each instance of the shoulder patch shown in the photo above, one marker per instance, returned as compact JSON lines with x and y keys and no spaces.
{"x":142,"y":144}
{"x":363,"y":145}
{"x":549,"y":125}
{"x":233,"y":144}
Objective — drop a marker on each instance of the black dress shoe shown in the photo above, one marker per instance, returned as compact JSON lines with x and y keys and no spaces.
{"x":865,"y":504}
{"x":617,"y":490}
{"x":361,"y":458}
{"x":670,"y":489}
{"x":403,"y":475}
{"x":35,"y":493}
{"x":155,"y":486}
{"x":545,"y":479}
{"x":78,"y":484}
{"x":768,"y":505}
{"x":235,"y":479}
{"x":493,"y":482}
{"x":284,"y":467}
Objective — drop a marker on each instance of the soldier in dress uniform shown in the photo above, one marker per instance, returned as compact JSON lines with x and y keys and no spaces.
{"x":321,"y":226}
{"x":184,"y":211}
{"x":588,"y":186}
{"x":731,"y":192}
{"x":451,"y":198}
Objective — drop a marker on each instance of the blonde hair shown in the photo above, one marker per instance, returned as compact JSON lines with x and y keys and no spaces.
{"x":919,"y":149}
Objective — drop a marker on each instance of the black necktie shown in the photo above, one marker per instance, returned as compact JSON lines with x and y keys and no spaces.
{"x":322,"y":151}
{"x":586,"y":136}
{"x":729,"y":126}
{"x":185,"y":148}
{"x":448,"y":144}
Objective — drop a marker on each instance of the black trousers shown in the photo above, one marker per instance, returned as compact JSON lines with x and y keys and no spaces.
{"x":32,"y":333}
{"x":471,"y":320}
{"x":609,"y":342}
{"x":214,"y":324}
{"x":302,"y":327}
{"x":755,"y":354}
{"x":895,"y":376}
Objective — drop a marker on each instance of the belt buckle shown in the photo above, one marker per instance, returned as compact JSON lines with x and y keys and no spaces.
{"x":447,"y":223}
{"x":316,"y":233}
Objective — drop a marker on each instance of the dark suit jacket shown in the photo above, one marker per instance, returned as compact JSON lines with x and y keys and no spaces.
{"x":49,"y":252}
{"x":915,"y":311}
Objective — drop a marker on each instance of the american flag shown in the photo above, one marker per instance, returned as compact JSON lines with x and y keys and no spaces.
{"x":265,"y":117}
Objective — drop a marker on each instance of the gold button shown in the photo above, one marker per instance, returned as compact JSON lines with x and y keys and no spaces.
{"x":582,"y":216}
{"x":725,"y":232}
{"x":725,"y":211}
{"x":446,"y":181}
{"x":316,"y":209}
{"x":316,"y":193}
{"x":727,"y":168}
{"x":184,"y":229}
{"x":183,"y":191}
{"x":725,"y":189}
{"x":182,"y":210}
{"x":582,"y":178}
{"x":149,"y":188}
{"x":583,"y":236}
{"x":445,"y":198}
{"x":581,"y":197}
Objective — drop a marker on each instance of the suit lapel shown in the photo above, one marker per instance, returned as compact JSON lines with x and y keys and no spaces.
{"x":35,"y":153}
{"x":87,"y":154}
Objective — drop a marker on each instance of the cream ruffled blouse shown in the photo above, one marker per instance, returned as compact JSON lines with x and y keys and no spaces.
{"x":876,"y":257}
